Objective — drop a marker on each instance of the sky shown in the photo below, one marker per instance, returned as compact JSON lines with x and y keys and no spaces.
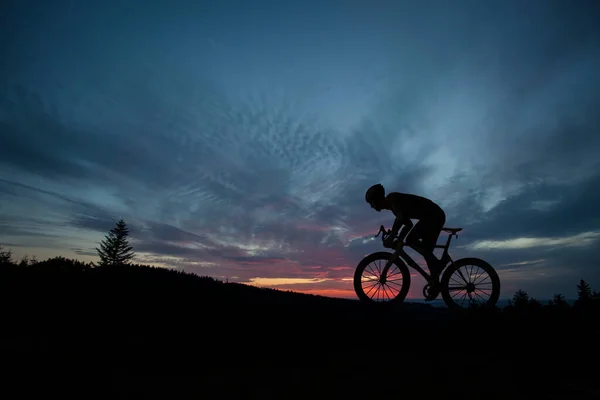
{"x":237,"y":139}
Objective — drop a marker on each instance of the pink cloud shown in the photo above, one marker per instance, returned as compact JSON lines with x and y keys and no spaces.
{"x":342,"y":268}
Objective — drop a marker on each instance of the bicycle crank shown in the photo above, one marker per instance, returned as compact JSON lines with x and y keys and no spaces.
{"x":430,"y":293}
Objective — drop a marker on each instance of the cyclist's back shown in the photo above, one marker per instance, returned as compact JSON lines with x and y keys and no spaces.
{"x":412,"y":206}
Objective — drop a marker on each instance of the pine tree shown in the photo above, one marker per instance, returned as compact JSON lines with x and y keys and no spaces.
{"x":115,"y":249}
{"x":584,"y":291}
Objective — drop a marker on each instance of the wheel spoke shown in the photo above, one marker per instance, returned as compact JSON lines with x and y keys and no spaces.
{"x":478,"y":275}
{"x":393,"y":280}
{"x":378,"y":291}
{"x":481,"y":281}
{"x":399,"y":273}
{"x":455,"y":281}
{"x":463,"y":297}
{"x":372,"y":272}
{"x":476,"y":294}
{"x":461,"y":275}
{"x":379,"y":267}
{"x":391,"y":291}
{"x":394,"y":283}
{"x":387,"y":289}
{"x":374,"y":286}
{"x":382,"y":292}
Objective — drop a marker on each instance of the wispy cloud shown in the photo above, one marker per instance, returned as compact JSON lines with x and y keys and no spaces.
{"x":520,"y":263}
{"x":579,"y":240}
{"x":249,"y":159}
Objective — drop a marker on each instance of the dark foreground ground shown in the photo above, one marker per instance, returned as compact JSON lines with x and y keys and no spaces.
{"x":139,"y":333}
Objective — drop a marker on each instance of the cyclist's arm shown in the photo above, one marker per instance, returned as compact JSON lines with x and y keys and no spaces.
{"x":401,"y":220}
{"x":405,"y":229}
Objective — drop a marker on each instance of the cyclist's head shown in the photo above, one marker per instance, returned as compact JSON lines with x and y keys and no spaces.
{"x":375,"y":196}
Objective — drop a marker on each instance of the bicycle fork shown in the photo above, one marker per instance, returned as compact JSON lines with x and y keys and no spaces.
{"x":388,"y":264}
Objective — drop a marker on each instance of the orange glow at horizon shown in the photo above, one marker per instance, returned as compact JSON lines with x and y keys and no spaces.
{"x":282,"y":281}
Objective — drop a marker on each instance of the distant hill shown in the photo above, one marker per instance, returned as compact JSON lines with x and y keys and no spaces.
{"x":58,"y":277}
{"x":71,"y":322}
{"x":73,"y":284}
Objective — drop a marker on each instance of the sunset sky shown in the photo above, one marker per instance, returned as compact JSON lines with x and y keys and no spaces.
{"x":237,"y":139}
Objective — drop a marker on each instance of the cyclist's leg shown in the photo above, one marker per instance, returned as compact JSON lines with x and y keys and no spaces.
{"x":426,"y":243}
{"x":416,"y":238}
{"x":415,"y":234}
{"x":430,"y":232}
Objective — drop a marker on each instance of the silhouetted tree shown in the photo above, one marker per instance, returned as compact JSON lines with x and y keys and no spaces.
{"x":5,"y":255}
{"x":558,"y":301}
{"x":509,"y":306}
{"x":584,"y":291}
{"x":24,"y":261}
{"x":584,"y":296}
{"x":115,"y":249}
{"x":520,"y":299}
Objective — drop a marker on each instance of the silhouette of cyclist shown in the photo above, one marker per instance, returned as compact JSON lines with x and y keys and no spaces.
{"x":425,"y":232}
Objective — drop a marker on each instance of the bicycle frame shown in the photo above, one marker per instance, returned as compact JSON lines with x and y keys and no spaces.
{"x":432,"y":262}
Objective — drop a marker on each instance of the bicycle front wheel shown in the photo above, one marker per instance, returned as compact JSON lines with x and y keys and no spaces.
{"x":470,"y":282}
{"x":371,"y":288}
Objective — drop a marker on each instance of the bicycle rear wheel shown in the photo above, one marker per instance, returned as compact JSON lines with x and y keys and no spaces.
{"x":369,"y":286}
{"x":470,"y":282}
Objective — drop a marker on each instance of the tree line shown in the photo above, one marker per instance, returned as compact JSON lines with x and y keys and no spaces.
{"x":116,"y":251}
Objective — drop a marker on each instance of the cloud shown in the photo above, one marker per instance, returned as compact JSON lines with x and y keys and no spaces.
{"x":513,"y":264}
{"x":582,"y":239}
{"x":250,"y":161}
{"x":84,"y":252}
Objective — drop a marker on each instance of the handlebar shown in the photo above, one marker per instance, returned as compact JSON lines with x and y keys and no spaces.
{"x":385,"y":234}
{"x":381,"y":229}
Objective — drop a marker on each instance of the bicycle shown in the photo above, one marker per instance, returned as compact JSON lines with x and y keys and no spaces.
{"x":443,"y":266}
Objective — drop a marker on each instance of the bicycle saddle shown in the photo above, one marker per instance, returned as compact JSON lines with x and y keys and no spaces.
{"x":451,"y":230}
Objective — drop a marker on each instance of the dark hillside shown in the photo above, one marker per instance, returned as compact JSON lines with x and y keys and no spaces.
{"x":111,"y":331}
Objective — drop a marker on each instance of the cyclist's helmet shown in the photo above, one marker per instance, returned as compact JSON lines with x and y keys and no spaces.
{"x":374,"y":192}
